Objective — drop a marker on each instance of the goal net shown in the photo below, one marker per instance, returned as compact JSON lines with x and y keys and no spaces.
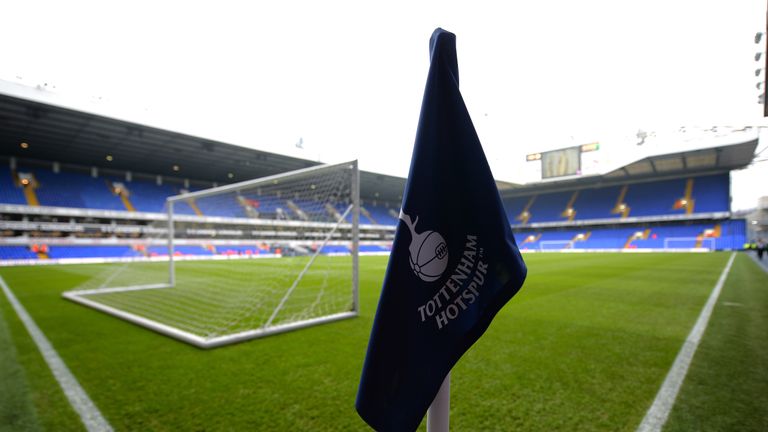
{"x":689,"y":243}
{"x":555,"y":245}
{"x":240,"y":261}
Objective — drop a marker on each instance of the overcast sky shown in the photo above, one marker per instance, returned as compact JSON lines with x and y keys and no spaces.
{"x":347,"y":78}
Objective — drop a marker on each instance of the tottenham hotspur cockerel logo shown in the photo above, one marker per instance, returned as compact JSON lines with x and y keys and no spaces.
{"x":429,"y":253}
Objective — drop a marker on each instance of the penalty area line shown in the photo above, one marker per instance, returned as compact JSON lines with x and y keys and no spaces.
{"x":90,"y":415}
{"x":658,"y":413}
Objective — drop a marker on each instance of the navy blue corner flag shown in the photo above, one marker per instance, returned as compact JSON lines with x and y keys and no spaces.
{"x":454,"y":260}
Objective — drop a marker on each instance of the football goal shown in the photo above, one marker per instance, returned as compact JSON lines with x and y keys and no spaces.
{"x":555,"y":245}
{"x":687,"y":243}
{"x":240,"y":261}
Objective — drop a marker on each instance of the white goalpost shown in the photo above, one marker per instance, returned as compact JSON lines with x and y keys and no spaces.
{"x":688,"y":243}
{"x":555,"y":245}
{"x":241,"y":261}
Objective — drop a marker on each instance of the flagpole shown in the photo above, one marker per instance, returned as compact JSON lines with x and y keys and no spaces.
{"x":439,"y":412}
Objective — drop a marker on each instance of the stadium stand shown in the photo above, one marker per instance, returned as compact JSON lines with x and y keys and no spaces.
{"x":549,"y":207}
{"x":91,"y":252}
{"x":179,"y":250}
{"x":9,"y":193}
{"x":712,"y":193}
{"x":653,"y":198}
{"x":146,"y":196}
{"x":334,"y":249}
{"x":381,"y":215}
{"x":82,"y":206}
{"x":374,"y":248}
{"x":726,"y":235}
{"x":76,"y":189}
{"x":16,"y":253}
{"x":73,"y":189}
{"x":679,"y":196}
{"x":596,"y":203}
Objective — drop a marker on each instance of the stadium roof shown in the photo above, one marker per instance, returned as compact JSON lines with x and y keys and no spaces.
{"x":55,"y":133}
{"x":692,"y":162}
{"x":70,"y":136}
{"x":722,"y":158}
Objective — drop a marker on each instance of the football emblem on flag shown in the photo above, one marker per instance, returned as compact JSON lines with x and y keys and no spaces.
{"x":428,"y":251}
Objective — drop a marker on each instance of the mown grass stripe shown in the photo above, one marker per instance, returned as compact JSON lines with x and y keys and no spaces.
{"x":16,"y":409}
{"x":659,"y":412}
{"x":90,"y":415}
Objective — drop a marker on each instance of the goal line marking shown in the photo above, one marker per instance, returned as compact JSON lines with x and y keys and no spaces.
{"x":90,"y":415}
{"x":659,"y":411}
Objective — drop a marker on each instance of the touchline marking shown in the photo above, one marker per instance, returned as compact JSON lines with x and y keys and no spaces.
{"x":658,"y":413}
{"x":82,"y":404}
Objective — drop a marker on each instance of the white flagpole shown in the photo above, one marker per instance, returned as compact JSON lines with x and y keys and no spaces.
{"x":439,"y":412}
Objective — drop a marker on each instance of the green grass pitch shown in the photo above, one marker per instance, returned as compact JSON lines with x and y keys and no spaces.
{"x":584,"y":346}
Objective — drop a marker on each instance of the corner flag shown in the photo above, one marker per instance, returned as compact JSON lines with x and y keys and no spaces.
{"x":454,"y":260}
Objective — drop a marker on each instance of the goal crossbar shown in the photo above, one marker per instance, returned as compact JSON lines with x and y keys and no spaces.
{"x":234,"y":187}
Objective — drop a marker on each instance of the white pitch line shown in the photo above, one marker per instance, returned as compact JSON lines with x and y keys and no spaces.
{"x":82,"y":404}
{"x":658,"y":413}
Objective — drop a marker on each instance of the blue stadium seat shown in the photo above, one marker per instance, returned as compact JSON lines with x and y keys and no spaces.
{"x":381,"y":214}
{"x":335,"y":249}
{"x":373,"y":248}
{"x":147,"y":196}
{"x":65,"y":189}
{"x":596,"y":203}
{"x":16,"y":252}
{"x":655,"y":198}
{"x":91,"y":252}
{"x":711,"y":193}
{"x":549,"y":207}
{"x":9,"y":193}
{"x":732,"y":236}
